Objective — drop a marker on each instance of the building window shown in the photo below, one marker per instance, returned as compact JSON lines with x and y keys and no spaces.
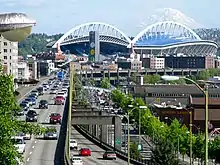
{"x":10,"y":50}
{"x":5,"y":50}
{"x":10,"y":57}
{"x":5,"y":44}
{"x":5,"y":57}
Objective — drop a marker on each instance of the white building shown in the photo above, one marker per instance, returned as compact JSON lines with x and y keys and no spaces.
{"x":157,"y":63}
{"x":23,"y":71}
{"x":32,"y":65}
{"x":9,"y":56}
{"x":136,"y":63}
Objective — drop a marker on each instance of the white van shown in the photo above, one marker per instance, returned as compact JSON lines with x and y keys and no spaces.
{"x":19,"y":143}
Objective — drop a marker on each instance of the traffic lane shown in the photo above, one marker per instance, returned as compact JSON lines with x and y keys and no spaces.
{"x":97,"y":153}
{"x":44,"y":150}
{"x":43,"y":115}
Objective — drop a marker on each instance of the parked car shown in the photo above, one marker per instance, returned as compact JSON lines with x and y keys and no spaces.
{"x":53,"y":91}
{"x":85,"y":152}
{"x":40,"y":90}
{"x":24,"y":106}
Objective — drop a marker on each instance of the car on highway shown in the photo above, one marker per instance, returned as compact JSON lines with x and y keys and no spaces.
{"x":19,"y":112}
{"x":51,"y":133}
{"x":64,"y":94}
{"x":33,"y":99}
{"x":33,"y":95}
{"x":35,"y":92}
{"x":109,"y":155}
{"x":85,"y":152}
{"x":40,"y":90}
{"x":73,"y":144}
{"x":29,"y":100}
{"x":55,"y":118}
{"x":26,"y":102}
{"x":43,"y":104}
{"x":31,"y":116}
{"x":53,"y":91}
{"x":19,"y":143}
{"x":59,"y":100}
{"x":24,"y":106}
{"x":77,"y":161}
{"x":25,"y":136}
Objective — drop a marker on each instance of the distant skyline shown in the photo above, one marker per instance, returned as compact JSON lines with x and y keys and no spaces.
{"x":60,"y":16}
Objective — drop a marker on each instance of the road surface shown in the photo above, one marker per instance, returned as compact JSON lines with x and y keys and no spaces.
{"x":39,"y":151}
{"x":97,"y":152}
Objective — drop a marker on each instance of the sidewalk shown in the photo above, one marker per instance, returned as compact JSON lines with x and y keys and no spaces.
{"x":23,"y":90}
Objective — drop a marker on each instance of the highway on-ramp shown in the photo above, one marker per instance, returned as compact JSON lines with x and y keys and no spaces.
{"x":39,"y":151}
{"x":97,"y":152}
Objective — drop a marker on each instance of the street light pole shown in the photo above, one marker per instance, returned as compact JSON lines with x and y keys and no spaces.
{"x":205,"y":93}
{"x":190,"y":130}
{"x":128,"y":145}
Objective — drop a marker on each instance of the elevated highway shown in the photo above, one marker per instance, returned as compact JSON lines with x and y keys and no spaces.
{"x":125,"y":73}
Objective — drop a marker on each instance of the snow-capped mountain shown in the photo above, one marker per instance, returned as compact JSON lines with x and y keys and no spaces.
{"x":169,"y":14}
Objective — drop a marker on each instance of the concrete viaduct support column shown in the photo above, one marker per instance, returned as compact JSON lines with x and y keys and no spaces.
{"x":118,"y":76}
{"x":109,"y":74}
{"x":95,"y":130}
{"x":104,"y":133}
{"x":90,"y":129}
{"x":91,"y":73}
{"x":86,"y":75}
{"x":117,"y":132}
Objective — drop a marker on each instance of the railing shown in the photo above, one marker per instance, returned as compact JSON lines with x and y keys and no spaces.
{"x":120,"y":154}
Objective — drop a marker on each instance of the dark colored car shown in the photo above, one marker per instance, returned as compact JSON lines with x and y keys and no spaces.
{"x":33,"y":95}
{"x":34,"y":100}
{"x":43,"y":104}
{"x":40,"y":90}
{"x":55,"y":118}
{"x":31,"y":116}
{"x":24,"y":106}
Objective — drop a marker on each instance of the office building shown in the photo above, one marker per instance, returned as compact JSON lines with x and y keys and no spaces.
{"x":9,"y":56}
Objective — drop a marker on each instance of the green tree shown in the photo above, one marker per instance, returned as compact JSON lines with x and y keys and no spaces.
{"x":134,"y":151}
{"x":199,"y":147}
{"x":151,"y":79}
{"x":163,"y":153}
{"x":214,"y":149}
{"x":105,"y":83}
{"x":204,"y":75}
{"x":36,"y":43}
{"x":180,"y":81}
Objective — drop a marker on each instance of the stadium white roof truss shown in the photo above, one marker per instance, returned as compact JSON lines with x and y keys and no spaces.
{"x":107,"y":33}
{"x":170,"y":28}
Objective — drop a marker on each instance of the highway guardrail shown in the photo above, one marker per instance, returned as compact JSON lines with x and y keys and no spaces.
{"x":106,"y":146}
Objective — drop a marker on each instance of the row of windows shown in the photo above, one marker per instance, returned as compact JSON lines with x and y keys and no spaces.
{"x":6,"y":57}
{"x":179,"y":95}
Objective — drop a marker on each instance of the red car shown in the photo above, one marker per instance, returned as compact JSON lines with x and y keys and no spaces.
{"x":55,"y":118}
{"x":85,"y":152}
{"x":59,"y":100}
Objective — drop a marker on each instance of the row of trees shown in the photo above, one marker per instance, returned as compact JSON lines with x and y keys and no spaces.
{"x":9,"y":125}
{"x":176,"y":136}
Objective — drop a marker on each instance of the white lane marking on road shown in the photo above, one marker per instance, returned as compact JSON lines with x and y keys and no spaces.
{"x":30,"y":153}
{"x":28,"y":159}
{"x":35,"y":141}
{"x":32,"y":146}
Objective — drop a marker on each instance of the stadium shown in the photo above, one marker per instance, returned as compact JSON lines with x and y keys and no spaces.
{"x":163,"y":38}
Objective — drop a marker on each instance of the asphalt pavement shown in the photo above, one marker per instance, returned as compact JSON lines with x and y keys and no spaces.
{"x":97,"y":152}
{"x":39,"y":151}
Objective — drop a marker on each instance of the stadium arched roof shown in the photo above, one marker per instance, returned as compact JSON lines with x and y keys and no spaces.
{"x":79,"y":33}
{"x":168,"y":34}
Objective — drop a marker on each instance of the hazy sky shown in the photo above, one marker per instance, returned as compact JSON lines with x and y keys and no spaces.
{"x":56,"y":16}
